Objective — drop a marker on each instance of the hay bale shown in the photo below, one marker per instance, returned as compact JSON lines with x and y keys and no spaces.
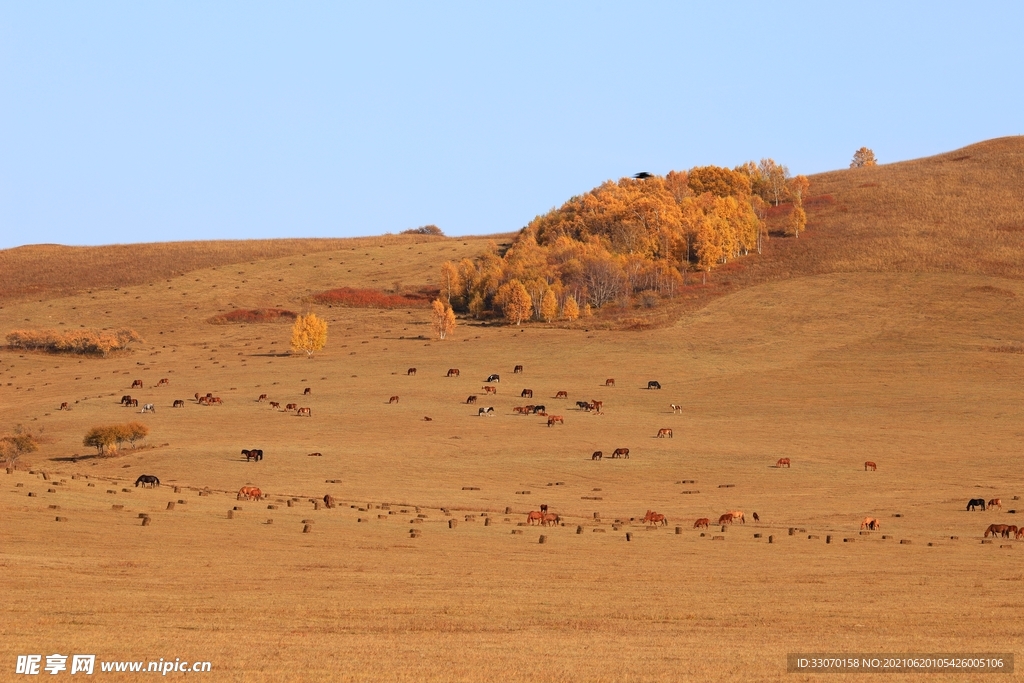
{"x":828,"y":539}
{"x":290,"y":503}
{"x":984,"y":540}
{"x":954,"y":538}
{"x":849,"y":540}
{"x":885,"y":537}
{"x":170,"y":505}
{"x":599,"y":531}
{"x":231,"y":514}
{"x":270,"y":521}
{"x":1001,"y":546}
{"x":629,"y":536}
{"x":771,"y":539}
{"x":792,"y":530}
{"x":905,"y":541}
{"x":542,"y":539}
{"x":271,"y":507}
{"x":517,"y":532}
{"x":51,"y":490}
{"x":508,"y":511}
{"x":54,"y":507}
{"x":382,"y":516}
{"x":579,"y":529}
{"x":181,"y":501}
{"x":126,"y":490}
{"x":487,"y":522}
{"x":316,"y":505}
{"x":89,"y":484}
{"x":718,"y":538}
{"x":61,"y":519}
{"x":31,"y":494}
{"x":146,"y":521}
{"x":117,"y":507}
{"x":307,"y":528}
{"x":812,"y":537}
{"x":755,"y":535}
{"x":307,"y":521}
{"x":679,"y":530}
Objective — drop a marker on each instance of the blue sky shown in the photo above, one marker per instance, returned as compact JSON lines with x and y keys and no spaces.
{"x":141,"y":122}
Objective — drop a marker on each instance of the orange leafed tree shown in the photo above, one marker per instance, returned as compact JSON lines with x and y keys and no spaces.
{"x":442,"y":318}
{"x":863,"y":157}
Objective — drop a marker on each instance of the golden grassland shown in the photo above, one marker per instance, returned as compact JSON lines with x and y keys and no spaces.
{"x":889,"y":360}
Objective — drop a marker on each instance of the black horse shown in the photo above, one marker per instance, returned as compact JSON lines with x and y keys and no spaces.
{"x":974,"y":502}
{"x":493,"y":378}
{"x":254,"y":454}
{"x":538,"y":409}
{"x":653,"y":385}
{"x":147,"y":480}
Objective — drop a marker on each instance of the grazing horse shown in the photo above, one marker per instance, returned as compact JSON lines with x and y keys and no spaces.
{"x":164,"y":382}
{"x":537,"y":409}
{"x":676,"y":408}
{"x":1000,"y":529}
{"x":411,"y":371}
{"x":482,"y":412}
{"x":393,"y":399}
{"x":535,"y":517}
{"x":1020,"y":533}
{"x":304,"y":411}
{"x":291,"y":406}
{"x":127,"y":397}
{"x":782,"y":462}
{"x":453,"y":372}
{"x":555,"y":418}
{"x":214,"y":399}
{"x":518,"y":370}
{"x":527,"y":393}
{"x":471,"y":399}
{"x":725,"y":519}
{"x":64,"y":406}
{"x":307,"y":391}
{"x":263,"y":397}
{"x":662,"y":433}
{"x":520,"y":410}
{"x":609,"y":382}
{"x":870,"y":523}
{"x":493,"y":378}
{"x":655,"y":518}
{"x":329,"y":501}
{"x":583,"y":405}
{"x":653,"y":384}
{"x":137,"y":383}
{"x":133,"y":403}
{"x":275,"y":404}
{"x":597,"y":455}
{"x":756,"y":518}
{"x":702,"y":523}
{"x":179,"y":404}
{"x":249,"y":493}
{"x":145,"y":480}
{"x":596,"y":406}
{"x":314,"y":455}
{"x":551,"y":519}
{"x":868,"y":465}
{"x":490,"y":390}
{"x":562,"y":394}
{"x":733,"y":515}
{"x":255,"y":455}
{"x":975,"y":502}
{"x":148,"y":408}
{"x":995,"y":503}
{"x":620,"y":453}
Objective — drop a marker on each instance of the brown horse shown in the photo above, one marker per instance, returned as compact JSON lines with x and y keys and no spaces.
{"x":329,"y":501}
{"x":555,"y":418}
{"x":490,"y":390}
{"x":164,"y":382}
{"x":702,"y":523}
{"x":870,"y":523}
{"x":662,"y":433}
{"x":535,"y":517}
{"x":782,"y":462}
{"x":64,"y":406}
{"x":249,"y":493}
{"x":411,"y":371}
{"x":734,"y":515}
{"x":304,"y":411}
{"x":995,"y":503}
{"x":137,"y":383}
{"x":1020,"y":533}
{"x":1000,"y":529}
{"x":471,"y":399}
{"x":868,"y":465}
{"x":655,"y":518}
{"x":620,"y":453}
{"x":597,"y":455}
{"x":518,"y":369}
{"x":609,"y":382}
{"x":393,"y":399}
{"x":179,"y":404}
{"x":551,"y":519}
{"x":562,"y":394}
{"x":275,"y":404}
{"x":262,"y":398}
{"x":453,"y":372}
{"x":307,"y":391}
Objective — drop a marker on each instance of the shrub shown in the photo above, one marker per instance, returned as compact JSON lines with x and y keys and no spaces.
{"x":83,"y":342}
{"x":424,"y":230}
{"x":372,"y":298}
{"x":255,"y":315}
{"x":13,"y":446}
{"x":108,"y":438}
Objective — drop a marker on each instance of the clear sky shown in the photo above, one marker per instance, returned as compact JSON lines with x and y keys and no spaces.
{"x":157,"y":121}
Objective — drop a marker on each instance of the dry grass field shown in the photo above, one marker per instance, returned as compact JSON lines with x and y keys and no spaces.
{"x":912,"y":358}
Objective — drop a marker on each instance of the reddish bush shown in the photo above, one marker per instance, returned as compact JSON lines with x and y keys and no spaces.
{"x":372,"y":298}
{"x":254,"y":315}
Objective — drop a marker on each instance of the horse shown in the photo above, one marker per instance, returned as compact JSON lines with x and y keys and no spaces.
{"x":518,"y":370}
{"x":304,"y":411}
{"x":163,"y":382}
{"x":145,"y":480}
{"x":291,"y":406}
{"x":214,"y":400}
{"x":620,"y":452}
{"x":596,"y":406}
{"x":725,"y":519}
{"x":756,"y":518}
{"x":410,"y":371}
{"x":1001,"y":529}
{"x":133,"y":403}
{"x":597,"y":455}
{"x":275,"y":404}
{"x":249,"y":493}
{"x":702,"y":523}
{"x":520,"y":410}
{"x":676,"y":408}
{"x":178,"y":404}
{"x":653,"y":384}
{"x":782,"y":462}
{"x":329,"y":501}
{"x":662,"y":433}
{"x":393,"y":399}
{"x":127,"y":397}
{"x":148,"y":408}
{"x":471,"y":399}
{"x":551,"y":519}
{"x":527,"y":393}
{"x":137,"y":383}
{"x":64,"y":406}
{"x":483,"y":412}
{"x":555,"y":419}
{"x":535,"y":517}
{"x":995,"y":503}
{"x":1020,"y":533}
{"x":975,"y":502}
{"x":562,"y":394}
{"x":537,"y":410}
{"x":868,"y":465}
{"x":307,"y":391}
{"x":655,"y":518}
{"x":493,"y":378}
{"x":250,"y":455}
{"x":490,"y":390}
{"x":733,"y":515}
{"x":453,"y":372}
{"x":263,"y":397}
{"x":870,"y":523}
{"x":583,"y":405}
{"x":609,"y":382}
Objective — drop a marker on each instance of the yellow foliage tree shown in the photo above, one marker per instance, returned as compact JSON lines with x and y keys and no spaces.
{"x":797,"y":220}
{"x":570,"y":309}
{"x":451,"y":281}
{"x":549,"y":306}
{"x":309,"y":334}
{"x":515,"y":301}
{"x":442,"y":318}
{"x":863,"y":157}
